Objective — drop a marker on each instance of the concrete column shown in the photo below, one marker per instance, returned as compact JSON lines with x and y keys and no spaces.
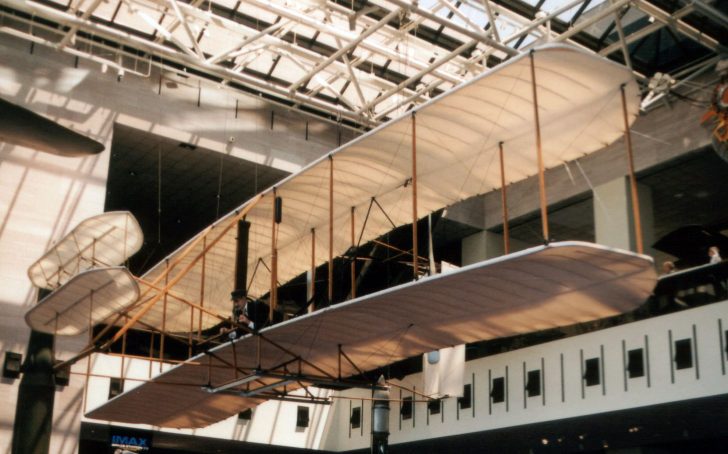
{"x":486,"y":245}
{"x":613,"y":220}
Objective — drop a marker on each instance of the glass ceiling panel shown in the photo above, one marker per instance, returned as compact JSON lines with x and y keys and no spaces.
{"x":229,"y":4}
{"x":141,"y":18}
{"x":475,"y":15}
{"x":298,"y":30}
{"x":105,"y":10}
{"x":287,"y":70}
{"x":259,"y":13}
{"x":216,"y":40}
{"x":330,"y":41}
{"x":598,"y":28}
{"x":262,"y":63}
{"x":530,"y":38}
{"x":568,"y":15}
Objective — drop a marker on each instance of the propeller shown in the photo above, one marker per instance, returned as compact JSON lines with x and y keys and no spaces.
{"x":21,"y":126}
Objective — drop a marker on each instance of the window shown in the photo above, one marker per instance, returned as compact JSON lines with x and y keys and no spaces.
{"x":466,"y":400}
{"x":635,"y":363}
{"x":62,"y":375}
{"x":434,"y":406}
{"x":498,"y":390}
{"x":406,"y":409}
{"x":533,"y":383}
{"x":302,"y":417}
{"x":683,"y":354}
{"x":355,"y":419}
{"x":116,"y":387}
{"x":13,"y":365}
{"x":591,"y":372}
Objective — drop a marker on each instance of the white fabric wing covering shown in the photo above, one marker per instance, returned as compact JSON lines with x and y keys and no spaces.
{"x":540,"y":288}
{"x":457,"y":137}
{"x":89,"y":298}
{"x":107,"y":239}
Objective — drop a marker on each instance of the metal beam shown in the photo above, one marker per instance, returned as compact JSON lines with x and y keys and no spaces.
{"x":674,"y":20}
{"x":186,"y":27}
{"x":72,"y":32}
{"x":343,"y":50}
{"x":181,"y":58}
{"x":348,"y":36}
{"x":230,"y":52}
{"x":415,"y":77}
{"x":449,"y":24}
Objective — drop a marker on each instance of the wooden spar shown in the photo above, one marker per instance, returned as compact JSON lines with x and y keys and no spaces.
{"x":93,"y":252}
{"x":504,"y":201}
{"x":77,"y":257}
{"x":353,"y":259}
{"x":192,"y":324}
{"x":164,"y":314}
{"x":90,"y":342}
{"x":123,"y":354}
{"x":202,"y":296}
{"x":273,"y":260}
{"x":331,"y":230}
{"x":632,"y":178}
{"x":235,"y":361}
{"x":541,"y":182}
{"x":184,"y":301}
{"x":126,"y":234}
{"x":414,"y":196}
{"x":313,"y":269}
{"x":184,"y":271}
{"x":151,"y":353}
{"x":183,"y":255}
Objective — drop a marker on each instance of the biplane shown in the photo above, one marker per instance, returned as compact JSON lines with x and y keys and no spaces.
{"x":534,"y":112}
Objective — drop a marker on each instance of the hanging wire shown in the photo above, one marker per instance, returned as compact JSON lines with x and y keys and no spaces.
{"x":159,"y":193}
{"x":219,"y":188}
{"x":597,"y":199}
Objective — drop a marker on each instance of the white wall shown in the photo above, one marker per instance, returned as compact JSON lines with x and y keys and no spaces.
{"x":661,"y":383}
{"x":43,"y":196}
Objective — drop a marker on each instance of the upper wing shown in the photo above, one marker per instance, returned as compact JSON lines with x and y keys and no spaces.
{"x":457,"y":137}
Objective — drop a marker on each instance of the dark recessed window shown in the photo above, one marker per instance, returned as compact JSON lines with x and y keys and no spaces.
{"x":434,"y":406}
{"x":406,"y":410}
{"x":302,"y":417}
{"x":498,"y":391}
{"x":635,"y":363}
{"x":533,"y":384}
{"x":355,"y":419}
{"x":591,"y":372}
{"x":13,"y":365}
{"x":683,"y":354}
{"x":62,"y":375}
{"x":246,"y":415}
{"x":116,"y":387}
{"x":466,"y":400}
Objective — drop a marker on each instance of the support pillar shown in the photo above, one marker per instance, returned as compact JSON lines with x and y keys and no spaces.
{"x":486,"y":245}
{"x":34,"y":411}
{"x":613,"y":218}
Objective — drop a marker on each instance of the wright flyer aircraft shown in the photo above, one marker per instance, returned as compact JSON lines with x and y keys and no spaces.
{"x":534,"y":112}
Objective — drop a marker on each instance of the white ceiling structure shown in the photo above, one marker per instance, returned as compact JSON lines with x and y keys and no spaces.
{"x":357,"y":62}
